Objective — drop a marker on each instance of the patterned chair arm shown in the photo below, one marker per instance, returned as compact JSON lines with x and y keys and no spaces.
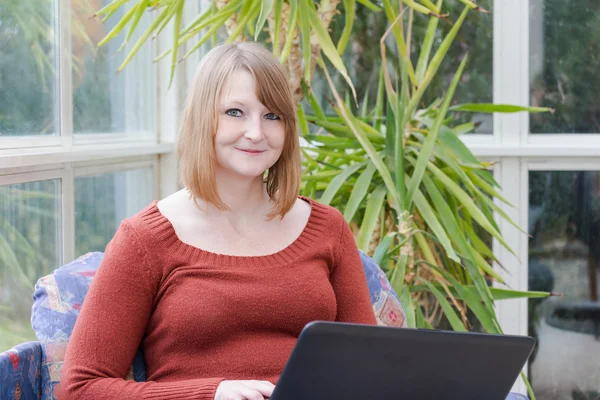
{"x":20,"y":376}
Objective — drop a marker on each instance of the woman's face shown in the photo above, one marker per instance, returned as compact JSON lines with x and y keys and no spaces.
{"x":249,"y":138}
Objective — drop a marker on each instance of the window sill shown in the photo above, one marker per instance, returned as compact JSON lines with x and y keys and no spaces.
{"x":50,"y":156}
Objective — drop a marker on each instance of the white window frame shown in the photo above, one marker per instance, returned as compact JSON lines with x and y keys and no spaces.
{"x":65,"y":156}
{"x":517,"y":152}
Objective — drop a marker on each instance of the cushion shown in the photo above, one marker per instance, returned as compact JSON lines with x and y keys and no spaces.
{"x":386,"y":305}
{"x":20,"y":373}
{"x":57,"y":301}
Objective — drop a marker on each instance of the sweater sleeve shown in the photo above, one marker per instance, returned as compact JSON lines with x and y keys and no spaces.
{"x":349,"y":281}
{"x":111,"y":325}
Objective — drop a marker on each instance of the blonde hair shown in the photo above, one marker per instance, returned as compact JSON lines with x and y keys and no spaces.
{"x":195,"y":147}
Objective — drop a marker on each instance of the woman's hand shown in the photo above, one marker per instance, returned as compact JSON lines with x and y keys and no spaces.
{"x":244,"y":390}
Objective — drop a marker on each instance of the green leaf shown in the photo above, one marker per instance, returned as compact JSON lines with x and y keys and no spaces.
{"x":335,"y":154}
{"x":408,"y":306}
{"x":119,"y":26}
{"x":374,"y":204}
{"x":244,"y":18}
{"x":417,"y":7}
{"x":484,"y":265}
{"x":302,"y":123}
{"x":369,"y":5}
{"x":400,"y":42}
{"x":378,"y":111}
{"x":427,"y":46}
{"x":464,"y":128}
{"x":304,"y":15}
{"x":314,"y":104}
{"x":291,"y":29}
{"x":468,"y":203}
{"x":485,"y":314}
{"x":202,"y":17}
{"x":448,"y":138}
{"x":209,"y":33}
{"x":500,"y":108}
{"x":277,"y":29}
{"x":166,"y":14}
{"x":361,"y":187}
{"x":398,"y":273}
{"x":429,"y":4}
{"x":380,"y":253}
{"x":422,"y":323}
{"x":453,"y":318}
{"x":430,"y":141}
{"x":337,"y":182}
{"x":434,"y":65}
{"x":432,"y":221}
{"x":498,"y":294}
{"x":364,"y":109}
{"x":486,"y":187}
{"x":447,"y":217}
{"x":507,"y":294}
{"x":176,"y":29}
{"x":111,"y":7}
{"x":216,"y":15}
{"x":141,"y":8}
{"x":265,"y":10}
{"x":343,"y":112}
{"x":349,"y":13}
{"x":328,"y":48}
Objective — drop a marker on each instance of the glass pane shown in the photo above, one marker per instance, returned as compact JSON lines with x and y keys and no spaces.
{"x":27,"y":68}
{"x":30,"y":247}
{"x":103,"y":201}
{"x":564,"y":64}
{"x":564,"y":221}
{"x":476,"y":37}
{"x":102,"y":101}
{"x":363,"y":58}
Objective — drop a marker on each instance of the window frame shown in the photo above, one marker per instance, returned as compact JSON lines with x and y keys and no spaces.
{"x":517,"y":151}
{"x":65,"y":155}
{"x":513,"y":149}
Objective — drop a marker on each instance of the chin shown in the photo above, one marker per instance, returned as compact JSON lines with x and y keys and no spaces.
{"x":249,"y":172}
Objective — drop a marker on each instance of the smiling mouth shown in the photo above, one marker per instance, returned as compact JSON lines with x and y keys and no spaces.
{"x":251,"y":151}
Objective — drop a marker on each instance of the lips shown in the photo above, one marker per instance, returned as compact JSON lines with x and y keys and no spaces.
{"x":249,"y":151}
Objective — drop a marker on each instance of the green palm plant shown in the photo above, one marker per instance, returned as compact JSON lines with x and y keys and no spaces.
{"x":420,"y":201}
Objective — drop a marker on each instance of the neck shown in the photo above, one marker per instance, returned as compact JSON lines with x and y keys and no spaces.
{"x":246,"y":198}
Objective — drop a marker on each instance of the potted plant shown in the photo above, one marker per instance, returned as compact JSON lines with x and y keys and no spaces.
{"x":419,"y":200}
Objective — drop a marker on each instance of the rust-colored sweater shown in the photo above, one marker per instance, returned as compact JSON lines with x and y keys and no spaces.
{"x":203,"y":317}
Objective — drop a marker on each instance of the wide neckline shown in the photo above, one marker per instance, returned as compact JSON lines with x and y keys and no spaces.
{"x":168,"y":238}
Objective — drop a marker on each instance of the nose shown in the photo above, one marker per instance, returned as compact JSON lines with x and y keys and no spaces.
{"x":254,"y":130}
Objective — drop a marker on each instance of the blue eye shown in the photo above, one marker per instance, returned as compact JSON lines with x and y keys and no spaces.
{"x":234,"y":112}
{"x":272,"y":116}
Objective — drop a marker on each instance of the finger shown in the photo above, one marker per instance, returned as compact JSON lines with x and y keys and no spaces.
{"x":263,"y":387}
{"x":250,"y":394}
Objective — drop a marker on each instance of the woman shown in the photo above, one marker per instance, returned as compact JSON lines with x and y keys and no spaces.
{"x":217,"y":281}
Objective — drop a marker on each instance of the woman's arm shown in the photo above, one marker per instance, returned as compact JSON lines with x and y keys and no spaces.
{"x":111,"y":325}
{"x":349,"y":281}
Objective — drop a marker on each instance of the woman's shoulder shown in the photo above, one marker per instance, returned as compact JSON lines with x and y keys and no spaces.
{"x":332,"y":214}
{"x":330,"y":217}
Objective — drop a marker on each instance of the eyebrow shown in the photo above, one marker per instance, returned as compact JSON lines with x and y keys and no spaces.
{"x":240,"y":103}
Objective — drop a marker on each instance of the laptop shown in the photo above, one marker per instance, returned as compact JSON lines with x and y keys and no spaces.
{"x":344,"y":361}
